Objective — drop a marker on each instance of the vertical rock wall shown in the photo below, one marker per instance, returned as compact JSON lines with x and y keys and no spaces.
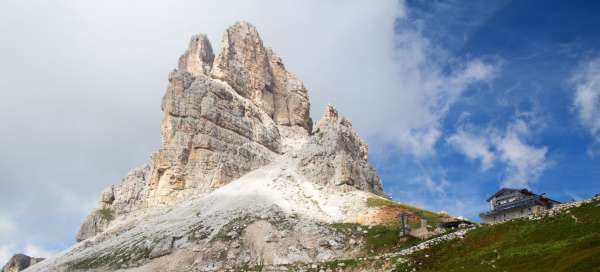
{"x":256,"y":73}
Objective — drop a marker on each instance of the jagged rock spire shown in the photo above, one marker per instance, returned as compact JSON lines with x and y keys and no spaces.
{"x":198,"y":58}
{"x":243,"y":63}
{"x":255,"y":72}
{"x":331,"y":115}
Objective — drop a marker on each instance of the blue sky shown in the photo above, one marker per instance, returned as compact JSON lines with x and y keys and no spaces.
{"x":455,"y":98}
{"x":537,"y":47}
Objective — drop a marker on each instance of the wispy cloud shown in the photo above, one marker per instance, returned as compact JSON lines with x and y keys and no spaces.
{"x":586,"y":101}
{"x":474,"y":147}
{"x":428,"y":90}
{"x":523,"y":163}
{"x":431,"y":185}
{"x":37,"y":251}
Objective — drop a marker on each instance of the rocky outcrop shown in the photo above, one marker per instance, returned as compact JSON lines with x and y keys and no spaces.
{"x":117,"y":199}
{"x":97,"y":221}
{"x":198,"y":58}
{"x":229,"y":115}
{"x":336,"y":157}
{"x":127,"y":195}
{"x":256,"y":73}
{"x":210,"y":136}
{"x":20,"y":262}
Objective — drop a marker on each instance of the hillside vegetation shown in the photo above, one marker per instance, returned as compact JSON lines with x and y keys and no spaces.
{"x":569,"y":241}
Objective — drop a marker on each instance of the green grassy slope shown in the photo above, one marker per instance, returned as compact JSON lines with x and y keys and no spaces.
{"x":569,"y":241}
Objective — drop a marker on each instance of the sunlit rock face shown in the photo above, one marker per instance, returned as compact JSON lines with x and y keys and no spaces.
{"x":238,"y":150}
{"x":336,"y":157}
{"x":258,"y":74}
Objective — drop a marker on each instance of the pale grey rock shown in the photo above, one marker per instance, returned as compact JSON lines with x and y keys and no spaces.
{"x":256,"y":73}
{"x":115,"y":200}
{"x":336,"y":157}
{"x":128,"y":195}
{"x":199,"y":57}
{"x":94,"y":223}
{"x":241,"y":176}
{"x":210,"y":136}
{"x":20,"y":262}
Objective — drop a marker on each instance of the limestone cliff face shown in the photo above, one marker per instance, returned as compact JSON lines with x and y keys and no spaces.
{"x":228,"y":115}
{"x":336,"y":157}
{"x":117,"y":199}
{"x":256,"y":73}
{"x":211,"y":136}
{"x":198,"y":58}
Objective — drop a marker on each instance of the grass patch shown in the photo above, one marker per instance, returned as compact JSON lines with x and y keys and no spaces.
{"x":106,"y":214}
{"x":379,"y":238}
{"x":556,"y":243}
{"x":113,"y":260}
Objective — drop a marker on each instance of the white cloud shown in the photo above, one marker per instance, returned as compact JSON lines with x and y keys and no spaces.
{"x":586,"y":81}
{"x":411,"y":116}
{"x":37,"y":252}
{"x":7,"y":227}
{"x":524,"y":163}
{"x":474,"y":147}
{"x":433,"y":186}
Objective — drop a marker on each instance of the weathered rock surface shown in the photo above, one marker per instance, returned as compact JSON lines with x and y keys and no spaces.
{"x":117,"y":199}
{"x":272,"y":215}
{"x":241,"y":176}
{"x":336,"y":157}
{"x":20,"y":262}
{"x":211,"y":136}
{"x":256,"y":73}
{"x":198,"y":58}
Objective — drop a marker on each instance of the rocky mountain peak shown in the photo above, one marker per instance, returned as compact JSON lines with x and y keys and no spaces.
{"x":198,"y":58}
{"x":330,"y":116}
{"x":237,"y":140}
{"x":330,"y":113}
{"x":257,"y":73}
